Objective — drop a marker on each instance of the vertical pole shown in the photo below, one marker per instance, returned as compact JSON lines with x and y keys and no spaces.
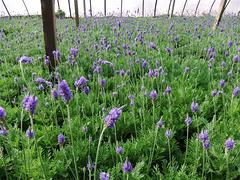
{"x":143,"y":8}
{"x":49,"y":30}
{"x":84,"y":8}
{"x":90,"y":4}
{"x":69,"y":6}
{"x":220,"y":13}
{"x":195,"y":13}
{"x":58,"y":4}
{"x":173,"y":5}
{"x":184,"y":7}
{"x":211,"y":7}
{"x":155,"y":8}
{"x":227,"y":4}
{"x":26,"y":7}
{"x":169,"y":6}
{"x":105,"y":8}
{"x":76,"y":12}
{"x":6,"y":9}
{"x":121,"y":7}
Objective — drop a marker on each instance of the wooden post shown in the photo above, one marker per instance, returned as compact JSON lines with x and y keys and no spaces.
{"x":184,"y":7}
{"x":69,"y":6}
{"x":26,"y":7}
{"x":6,"y":9}
{"x":155,"y":8}
{"x":220,"y":13}
{"x":227,"y":4}
{"x":195,"y":13}
{"x":58,"y":4}
{"x":90,"y":4}
{"x":173,"y":5}
{"x":169,"y":6}
{"x":49,"y":30}
{"x":210,"y":10}
{"x":121,"y":7}
{"x":105,"y":8}
{"x":76,"y":12}
{"x":84,"y":8}
{"x":143,"y":8}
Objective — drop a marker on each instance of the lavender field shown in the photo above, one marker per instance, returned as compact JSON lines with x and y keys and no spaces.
{"x":131,"y":98}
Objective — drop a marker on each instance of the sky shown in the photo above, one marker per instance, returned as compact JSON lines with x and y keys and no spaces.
{"x":16,"y":7}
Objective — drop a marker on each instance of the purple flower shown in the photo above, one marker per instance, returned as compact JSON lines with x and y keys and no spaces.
{"x":214,"y":92}
{"x":102,"y":82}
{"x":46,"y":61}
{"x":229,"y":144}
{"x":188,"y":120}
{"x":3,"y":131}
{"x":86,"y":90}
{"x":119,"y":150}
{"x":230,"y":44}
{"x":81,"y":82}
{"x":25,"y":60}
{"x":223,"y":64}
{"x":222,"y":83}
{"x":65,"y":91}
{"x":203,"y":136}
{"x":236,"y":58}
{"x":152,"y":46}
{"x":56,"y":55}
{"x":168,"y":90}
{"x":54,"y":94}
{"x":74,"y":52}
{"x":160,"y":123}
{"x":186,"y":69}
{"x":97,"y":69}
{"x":40,"y":80}
{"x":30,"y":103}
{"x":61,"y":139}
{"x":168,"y":133}
{"x":169,"y":50}
{"x":104,"y":176}
{"x":194,"y":107}
{"x":144,"y":64}
{"x":29,"y":133}
{"x":206,"y":144}
{"x":236,"y":91}
{"x":3,"y":113}
{"x":112,"y":117}
{"x":153,"y":95}
{"x":127,"y":166}
{"x":41,"y":87}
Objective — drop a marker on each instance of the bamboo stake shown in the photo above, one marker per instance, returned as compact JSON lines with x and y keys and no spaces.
{"x":169,"y":6}
{"x":211,"y":7}
{"x":58,"y":4}
{"x":90,"y":4}
{"x":121,"y":7}
{"x":195,"y":13}
{"x":105,"y":8}
{"x":184,"y":7}
{"x":220,"y":13}
{"x":26,"y":7}
{"x":6,"y":9}
{"x":173,"y":5}
{"x":76,"y":12}
{"x":155,"y":8}
{"x":143,"y":8}
{"x":84,"y":8}
{"x":69,"y":6}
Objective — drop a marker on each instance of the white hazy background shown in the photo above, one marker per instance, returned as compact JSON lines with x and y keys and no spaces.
{"x":130,"y":7}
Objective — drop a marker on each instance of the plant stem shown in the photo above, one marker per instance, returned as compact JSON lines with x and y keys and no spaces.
{"x":169,"y":151}
{"x":152,"y":152}
{"x":70,"y":129}
{"x":98,"y":147}
{"x":186,"y":145}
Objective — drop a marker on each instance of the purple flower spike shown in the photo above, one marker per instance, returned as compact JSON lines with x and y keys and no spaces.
{"x":30,"y":103}
{"x":127,"y":166}
{"x":229,"y":144}
{"x":54,"y":94}
{"x":160,"y":123}
{"x":206,"y":144}
{"x":153,"y":95}
{"x":3,"y":131}
{"x":194,"y":107}
{"x":25,"y":60}
{"x":119,"y":150}
{"x":3,"y":113}
{"x":104,"y":176}
{"x":168,"y":133}
{"x":168,"y":90}
{"x":112,"y":117}
{"x":81,"y":82}
{"x":188,"y":120}
{"x":236,"y":91}
{"x":222,"y":83}
{"x":61,"y":139}
{"x":65,"y":91}
{"x":203,"y":136}
{"x":29,"y":133}
{"x":152,"y":46}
